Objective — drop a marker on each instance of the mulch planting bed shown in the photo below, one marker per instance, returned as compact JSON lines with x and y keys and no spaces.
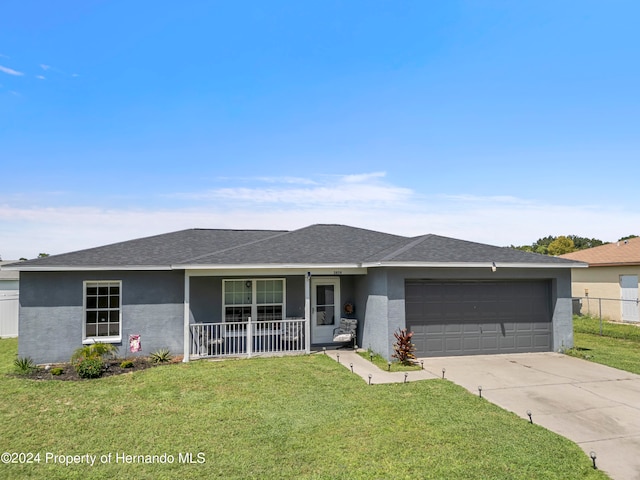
{"x":112,"y":367}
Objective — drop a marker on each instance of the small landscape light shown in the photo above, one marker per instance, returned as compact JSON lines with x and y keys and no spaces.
{"x":324,"y":350}
{"x":370,"y":378}
{"x":443,"y":370}
{"x":422,"y":364}
{"x":480,"y":390}
{"x":338,"y":357}
{"x":529,"y":414}
{"x":371,"y":356}
{"x":351,"y":365}
{"x":389,"y":366}
{"x":405,"y":377}
{"x":592,"y":454}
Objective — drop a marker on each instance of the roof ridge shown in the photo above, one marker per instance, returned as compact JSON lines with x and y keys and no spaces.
{"x":281,"y":233}
{"x":408,"y":246}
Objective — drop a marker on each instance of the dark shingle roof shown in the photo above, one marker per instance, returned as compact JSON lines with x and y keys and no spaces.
{"x":313,"y":245}
{"x":436,"y":249}
{"x":310,"y":245}
{"x":159,"y":250}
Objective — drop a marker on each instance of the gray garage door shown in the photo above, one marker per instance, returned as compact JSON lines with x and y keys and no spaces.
{"x":470,"y":318}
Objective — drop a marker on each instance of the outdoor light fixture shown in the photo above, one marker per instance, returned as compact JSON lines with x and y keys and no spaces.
{"x":324,"y":350}
{"x":389,"y":366}
{"x":443,"y":370}
{"x":370,"y":378}
{"x":592,"y":454}
{"x":338,"y":357}
{"x":493,"y":266}
{"x":405,"y":377}
{"x":351,"y":365}
{"x":371,"y":357}
{"x":529,"y":414}
{"x":422,"y":364}
{"x":480,"y":390}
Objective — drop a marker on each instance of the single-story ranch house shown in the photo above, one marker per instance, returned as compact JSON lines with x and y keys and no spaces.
{"x":609,"y":287}
{"x":213,"y":293}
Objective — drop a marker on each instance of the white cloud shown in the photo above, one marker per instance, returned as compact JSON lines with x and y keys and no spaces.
{"x":363,"y":177}
{"x":329,"y":191}
{"x":41,"y":77}
{"x":498,"y":220}
{"x":10,"y":71}
{"x":45,"y":67}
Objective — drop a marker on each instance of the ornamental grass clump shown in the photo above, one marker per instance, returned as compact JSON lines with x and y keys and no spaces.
{"x":404,"y":348}
{"x":161,"y":356}
{"x":24,"y":365}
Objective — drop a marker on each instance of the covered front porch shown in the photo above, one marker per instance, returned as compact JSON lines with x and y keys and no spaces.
{"x":251,"y":313}
{"x":250,"y":338}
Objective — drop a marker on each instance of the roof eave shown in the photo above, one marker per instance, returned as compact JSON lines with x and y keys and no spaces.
{"x":93,"y":268}
{"x":614,"y":264}
{"x":474,"y":265}
{"x":264,"y":266}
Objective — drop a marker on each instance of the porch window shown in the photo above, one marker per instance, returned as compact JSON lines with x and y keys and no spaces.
{"x":102,"y":310}
{"x":260,"y":299}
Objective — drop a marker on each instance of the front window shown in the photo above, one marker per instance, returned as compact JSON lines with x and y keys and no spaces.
{"x":261,"y":299}
{"x":102,"y":310}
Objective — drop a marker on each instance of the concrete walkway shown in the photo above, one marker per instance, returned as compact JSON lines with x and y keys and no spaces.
{"x":597,"y":407}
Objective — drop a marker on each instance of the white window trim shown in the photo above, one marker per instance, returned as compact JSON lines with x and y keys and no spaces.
{"x":254,"y":296}
{"x":106,"y":339}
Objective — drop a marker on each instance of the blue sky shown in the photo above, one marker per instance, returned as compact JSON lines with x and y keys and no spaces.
{"x":492,"y":121}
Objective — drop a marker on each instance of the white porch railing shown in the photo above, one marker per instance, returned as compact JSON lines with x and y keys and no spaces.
{"x":232,"y":339}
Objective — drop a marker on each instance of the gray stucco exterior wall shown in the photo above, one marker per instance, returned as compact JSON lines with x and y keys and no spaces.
{"x":385,"y":303}
{"x":51,"y":312}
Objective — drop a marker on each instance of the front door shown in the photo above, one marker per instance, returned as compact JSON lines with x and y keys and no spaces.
{"x":629,"y":295}
{"x":325,"y":308}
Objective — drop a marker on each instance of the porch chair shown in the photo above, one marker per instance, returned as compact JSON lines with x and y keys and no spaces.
{"x":210,"y":345}
{"x":346,"y":332}
{"x":291,"y":335}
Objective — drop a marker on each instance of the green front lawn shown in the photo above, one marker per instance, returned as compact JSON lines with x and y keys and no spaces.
{"x":614,"y":352}
{"x":292,"y":417}
{"x":592,"y":325}
{"x":618,"y":346}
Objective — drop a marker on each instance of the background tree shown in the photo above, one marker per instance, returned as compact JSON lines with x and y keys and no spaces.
{"x":560,"y":246}
{"x":542,"y":244}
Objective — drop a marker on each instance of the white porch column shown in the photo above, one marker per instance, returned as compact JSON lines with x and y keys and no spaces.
{"x":307,"y":312}
{"x":187,"y":314}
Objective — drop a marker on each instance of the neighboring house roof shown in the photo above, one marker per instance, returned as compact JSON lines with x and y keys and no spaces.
{"x":313,"y":245}
{"x":625,"y":252}
{"x":8,"y":274}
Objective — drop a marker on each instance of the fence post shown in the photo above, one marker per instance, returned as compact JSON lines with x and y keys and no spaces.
{"x":249,"y":337}
{"x":600,"y":313}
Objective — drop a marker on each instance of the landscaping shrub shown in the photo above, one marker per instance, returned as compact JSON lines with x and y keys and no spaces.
{"x":89,"y":367}
{"x":160,"y":356}
{"x":126,"y":364}
{"x":57,"y":371}
{"x":24,"y":365}
{"x":404,"y":347}
{"x":98,"y":350}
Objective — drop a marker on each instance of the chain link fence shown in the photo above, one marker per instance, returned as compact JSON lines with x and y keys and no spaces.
{"x":608,"y":309}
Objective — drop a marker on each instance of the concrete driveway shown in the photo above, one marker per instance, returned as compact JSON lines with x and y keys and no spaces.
{"x":597,"y":407}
